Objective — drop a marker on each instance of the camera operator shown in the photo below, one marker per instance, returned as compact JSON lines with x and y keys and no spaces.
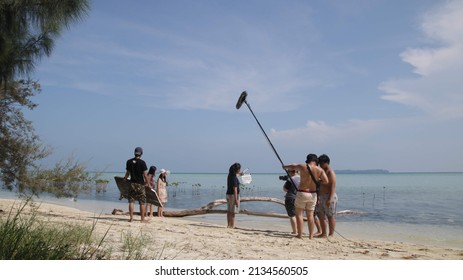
{"x":290,"y":197}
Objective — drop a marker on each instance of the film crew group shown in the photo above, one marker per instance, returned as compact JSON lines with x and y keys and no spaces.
{"x":305,"y":198}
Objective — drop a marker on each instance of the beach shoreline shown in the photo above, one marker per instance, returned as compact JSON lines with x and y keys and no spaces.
{"x":442,"y":236}
{"x":194,"y":239}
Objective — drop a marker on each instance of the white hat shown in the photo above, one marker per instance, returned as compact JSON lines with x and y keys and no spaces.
{"x":163,"y":170}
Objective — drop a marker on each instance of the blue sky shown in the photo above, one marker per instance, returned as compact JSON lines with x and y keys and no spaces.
{"x":373,"y":84}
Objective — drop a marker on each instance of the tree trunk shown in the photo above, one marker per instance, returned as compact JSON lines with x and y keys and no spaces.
{"x":208,"y":209}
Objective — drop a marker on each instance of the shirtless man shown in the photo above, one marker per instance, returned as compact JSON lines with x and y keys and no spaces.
{"x":328,"y":198}
{"x":306,"y":197}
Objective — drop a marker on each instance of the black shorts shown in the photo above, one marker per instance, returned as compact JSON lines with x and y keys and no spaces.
{"x":289,"y":205}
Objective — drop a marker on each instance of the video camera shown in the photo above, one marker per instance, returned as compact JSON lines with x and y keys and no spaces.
{"x":283,"y":178}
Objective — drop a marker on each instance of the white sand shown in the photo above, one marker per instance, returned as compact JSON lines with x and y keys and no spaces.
{"x":179,"y":239}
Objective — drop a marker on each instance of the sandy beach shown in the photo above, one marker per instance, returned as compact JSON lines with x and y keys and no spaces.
{"x":184,"y":239}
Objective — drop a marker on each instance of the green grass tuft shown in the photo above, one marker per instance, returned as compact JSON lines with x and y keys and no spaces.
{"x":24,"y":237}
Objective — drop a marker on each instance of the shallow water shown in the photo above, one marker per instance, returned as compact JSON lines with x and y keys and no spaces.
{"x":422,"y":208}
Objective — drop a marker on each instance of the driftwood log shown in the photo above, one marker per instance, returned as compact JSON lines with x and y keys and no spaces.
{"x":209,"y":209}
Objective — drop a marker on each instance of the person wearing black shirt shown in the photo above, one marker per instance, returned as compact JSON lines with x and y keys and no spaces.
{"x":136,"y":169}
{"x":233,"y":193}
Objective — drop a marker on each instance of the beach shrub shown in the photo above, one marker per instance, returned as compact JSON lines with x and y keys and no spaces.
{"x":25,"y":237}
{"x":101,"y":185}
{"x":67,"y":179}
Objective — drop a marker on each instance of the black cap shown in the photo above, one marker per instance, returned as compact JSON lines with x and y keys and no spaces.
{"x":138,"y":151}
{"x":311,"y":157}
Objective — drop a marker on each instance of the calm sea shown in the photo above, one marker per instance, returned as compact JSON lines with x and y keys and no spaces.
{"x":424,"y":208}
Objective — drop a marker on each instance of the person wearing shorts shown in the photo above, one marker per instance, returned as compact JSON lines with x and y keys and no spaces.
{"x":136,"y":169}
{"x":290,"y":198}
{"x":328,"y":198}
{"x":306,"y":197}
{"x":233,"y":193}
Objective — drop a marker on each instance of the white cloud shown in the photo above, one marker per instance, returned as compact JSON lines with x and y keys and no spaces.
{"x":445,"y":23}
{"x":427,"y":62}
{"x":438,"y":90}
{"x":322,"y":133}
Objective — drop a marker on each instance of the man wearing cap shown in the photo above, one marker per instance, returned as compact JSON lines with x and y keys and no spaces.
{"x":136,"y":169}
{"x":306,"y":197}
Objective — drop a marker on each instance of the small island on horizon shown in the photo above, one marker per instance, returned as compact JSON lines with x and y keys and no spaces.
{"x":366,"y":171}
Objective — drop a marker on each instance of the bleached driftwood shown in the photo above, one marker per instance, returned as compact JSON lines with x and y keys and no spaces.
{"x":209,"y":209}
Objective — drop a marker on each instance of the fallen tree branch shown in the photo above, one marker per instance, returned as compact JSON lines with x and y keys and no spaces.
{"x":208,"y":209}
